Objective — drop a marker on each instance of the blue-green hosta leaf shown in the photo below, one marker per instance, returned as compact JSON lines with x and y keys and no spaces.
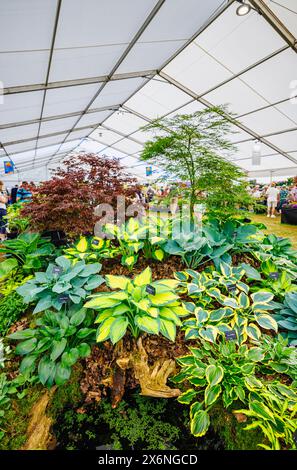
{"x":63,"y":262}
{"x":90,"y":269}
{"x":288,"y":324}
{"x":94,"y":282}
{"x":209,"y":333}
{"x":231,"y":302}
{"x":211,"y":394}
{"x":243,"y":300}
{"x":266,"y":321}
{"x":214,"y":374}
{"x":201,"y":315}
{"x":200,"y":423}
{"x":43,"y":304}
{"x":25,"y":347}
{"x":253,"y":331}
{"x":251,"y":272}
{"x":262,"y":297}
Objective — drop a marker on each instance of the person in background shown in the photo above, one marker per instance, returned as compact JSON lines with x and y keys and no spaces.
{"x":283,"y":198}
{"x":13,"y":194}
{"x":293,"y":193}
{"x":24,"y":194}
{"x":256,"y":193}
{"x":150,"y":194}
{"x":3,"y":212}
{"x":272,"y":200}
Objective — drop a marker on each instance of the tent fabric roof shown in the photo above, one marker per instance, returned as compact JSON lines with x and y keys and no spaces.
{"x":102,"y":70}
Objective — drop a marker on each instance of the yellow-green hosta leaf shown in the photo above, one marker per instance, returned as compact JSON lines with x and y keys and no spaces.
{"x":144,"y":304}
{"x":129,"y":260}
{"x":120,"y":309}
{"x":180,"y":311}
{"x":117,"y":282}
{"x":101,"y":301}
{"x":118,"y":329}
{"x":82,"y":245}
{"x":153,"y":312}
{"x":255,"y":354}
{"x":167,"y":314}
{"x":143,"y":278}
{"x":261,"y":410}
{"x":168,"y":329}
{"x":170,"y":283}
{"x":99,"y":243}
{"x":159,"y":254}
{"x":200,"y":423}
{"x":186,"y":397}
{"x":148,"y":324}
{"x":132,"y":225}
{"x":155,"y":240}
{"x":163,"y":298}
{"x":267,"y":322}
{"x":214,"y":374}
{"x":104,"y":315}
{"x":211,"y":394}
{"x":253,"y":331}
{"x":252,"y":383}
{"x":118,"y":295}
{"x":103,"y":330}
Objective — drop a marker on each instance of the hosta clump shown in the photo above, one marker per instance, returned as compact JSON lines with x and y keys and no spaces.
{"x":286,"y":318}
{"x":25,"y":254}
{"x":276,"y":247}
{"x":62,"y":283}
{"x":215,"y":313}
{"x":229,"y":374}
{"x":57,"y":342}
{"x":270,"y":277}
{"x":138,"y":305}
{"x":90,"y":250}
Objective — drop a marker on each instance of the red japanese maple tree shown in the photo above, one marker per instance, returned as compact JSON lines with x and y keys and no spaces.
{"x":67,"y":201}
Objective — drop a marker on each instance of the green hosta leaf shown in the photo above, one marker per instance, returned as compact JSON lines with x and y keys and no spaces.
{"x":168,"y":329}
{"x":262,"y":297}
{"x":27,"y":364}
{"x":214,"y":374}
{"x":58,"y":348}
{"x":261,"y":410}
{"x":25,"y":347}
{"x":78,"y":317}
{"x":46,"y":368}
{"x":118,"y":329}
{"x":63,"y":374}
{"x":117,"y":282}
{"x":23,"y":334}
{"x":181,"y":276}
{"x":84,"y":332}
{"x":211,"y":394}
{"x":103,"y":330}
{"x":200,"y":423}
{"x":148,"y":324}
{"x":186,"y":360}
{"x":255,"y":354}
{"x":188,"y":396}
{"x":84,"y":350}
{"x":267,"y":322}
{"x":252,"y":383}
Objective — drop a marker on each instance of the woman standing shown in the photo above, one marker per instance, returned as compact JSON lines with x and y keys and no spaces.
{"x":3,"y":202}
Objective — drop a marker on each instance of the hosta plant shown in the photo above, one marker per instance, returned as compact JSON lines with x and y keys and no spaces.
{"x":138,"y":305}
{"x":61,"y":284}
{"x":230,"y":374}
{"x":270,"y":278}
{"x":57,"y":342}
{"x":286,"y":318}
{"x":273,"y":410}
{"x":273,"y":246}
{"x":90,"y":250}
{"x":27,"y":253}
{"x":215,"y":313}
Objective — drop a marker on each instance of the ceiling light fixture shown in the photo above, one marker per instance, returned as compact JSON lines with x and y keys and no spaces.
{"x":256,"y":153}
{"x":244,"y":8}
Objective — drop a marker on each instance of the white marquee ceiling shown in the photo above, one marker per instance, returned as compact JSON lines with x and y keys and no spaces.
{"x":104,"y":69}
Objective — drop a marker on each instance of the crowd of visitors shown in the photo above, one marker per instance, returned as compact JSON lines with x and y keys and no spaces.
{"x":274,"y":196}
{"x":22,"y":193}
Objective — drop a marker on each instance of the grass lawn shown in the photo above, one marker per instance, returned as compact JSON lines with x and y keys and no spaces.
{"x":274,"y":226}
